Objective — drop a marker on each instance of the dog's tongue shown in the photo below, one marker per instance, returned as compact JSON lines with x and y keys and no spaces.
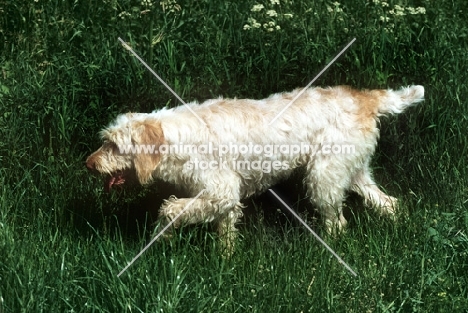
{"x":116,"y":179}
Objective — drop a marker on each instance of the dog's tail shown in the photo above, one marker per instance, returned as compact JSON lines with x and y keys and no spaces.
{"x":396,"y":101}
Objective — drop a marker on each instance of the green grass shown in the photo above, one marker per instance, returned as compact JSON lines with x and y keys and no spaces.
{"x":64,"y":75}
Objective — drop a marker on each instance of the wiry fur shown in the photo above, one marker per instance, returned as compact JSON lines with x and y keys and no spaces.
{"x":334,"y":115}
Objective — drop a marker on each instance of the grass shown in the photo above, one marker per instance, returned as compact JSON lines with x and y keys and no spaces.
{"x":64,"y":76}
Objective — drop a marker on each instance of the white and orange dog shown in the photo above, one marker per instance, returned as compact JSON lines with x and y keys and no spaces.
{"x":225,"y":150}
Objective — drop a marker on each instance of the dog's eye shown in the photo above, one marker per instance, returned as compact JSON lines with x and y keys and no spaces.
{"x":115,"y":149}
{"x":111,"y":146}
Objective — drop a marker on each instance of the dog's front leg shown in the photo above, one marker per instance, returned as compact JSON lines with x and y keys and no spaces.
{"x":225,"y":212}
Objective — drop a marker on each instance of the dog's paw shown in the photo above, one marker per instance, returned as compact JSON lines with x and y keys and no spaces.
{"x":335,"y":227}
{"x":389,"y":207}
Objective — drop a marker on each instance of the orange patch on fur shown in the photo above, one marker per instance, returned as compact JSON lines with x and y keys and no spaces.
{"x":151,"y":135}
{"x":368,"y":107}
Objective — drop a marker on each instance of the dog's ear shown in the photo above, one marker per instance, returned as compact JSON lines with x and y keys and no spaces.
{"x":148,"y":136}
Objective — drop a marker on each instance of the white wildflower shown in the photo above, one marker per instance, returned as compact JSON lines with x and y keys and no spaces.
{"x":337,"y":8}
{"x":271,"y":13}
{"x":421,"y":10}
{"x":146,"y":3}
{"x":384,"y":18}
{"x":288,"y":15}
{"x":254,"y":23}
{"x":124,"y":14}
{"x":247,"y":27}
{"x":418,"y":10}
{"x":398,"y":10}
{"x":390,"y":28}
{"x":273,"y":2}
{"x":257,"y":8}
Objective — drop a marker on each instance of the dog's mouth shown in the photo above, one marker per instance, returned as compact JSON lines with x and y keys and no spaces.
{"x":114,"y":179}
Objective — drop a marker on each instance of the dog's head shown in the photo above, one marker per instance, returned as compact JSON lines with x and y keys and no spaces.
{"x":130,"y":146}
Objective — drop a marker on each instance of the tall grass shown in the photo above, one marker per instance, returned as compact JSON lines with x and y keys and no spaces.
{"x":64,"y":76}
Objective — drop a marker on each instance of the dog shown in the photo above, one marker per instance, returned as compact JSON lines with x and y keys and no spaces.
{"x":225,"y":150}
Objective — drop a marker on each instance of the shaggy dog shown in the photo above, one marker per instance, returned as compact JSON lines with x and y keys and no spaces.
{"x":225,"y":150}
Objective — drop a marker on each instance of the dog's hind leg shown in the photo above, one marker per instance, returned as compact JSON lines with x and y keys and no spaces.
{"x":326,"y":187}
{"x":364,"y":185}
